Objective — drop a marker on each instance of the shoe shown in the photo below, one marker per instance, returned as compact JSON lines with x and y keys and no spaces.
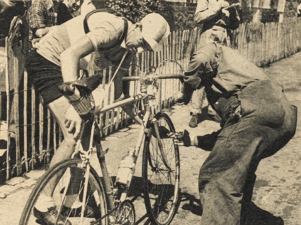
{"x":182,"y":99}
{"x":193,"y":121}
{"x":50,"y":217}
{"x":185,"y":95}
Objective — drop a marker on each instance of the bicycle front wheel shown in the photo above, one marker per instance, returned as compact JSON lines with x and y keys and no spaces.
{"x":77,"y":197}
{"x":161,"y":171}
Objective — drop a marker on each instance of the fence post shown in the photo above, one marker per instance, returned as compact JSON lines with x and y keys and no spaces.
{"x":48,"y":137}
{"x":33,"y":128}
{"x":263,"y":46}
{"x":7,"y":83}
{"x":16,"y":74}
{"x":244,"y":45}
{"x":41,"y":131}
{"x":25,"y":121}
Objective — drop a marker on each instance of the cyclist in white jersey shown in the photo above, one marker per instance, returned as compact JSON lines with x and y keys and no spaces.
{"x":60,"y":54}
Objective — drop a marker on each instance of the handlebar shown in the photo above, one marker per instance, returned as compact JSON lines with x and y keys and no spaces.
{"x":153,"y":77}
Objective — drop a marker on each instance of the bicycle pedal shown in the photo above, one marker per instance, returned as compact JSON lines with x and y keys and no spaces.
{"x":179,"y":135}
{"x":182,"y":138}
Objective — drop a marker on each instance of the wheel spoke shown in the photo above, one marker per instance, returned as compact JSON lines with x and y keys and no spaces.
{"x":161,"y":173}
{"x":68,"y":197}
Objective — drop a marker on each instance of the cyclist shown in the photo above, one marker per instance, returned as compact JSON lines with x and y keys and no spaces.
{"x":257,"y":121}
{"x":63,"y":51}
{"x":217,"y":22}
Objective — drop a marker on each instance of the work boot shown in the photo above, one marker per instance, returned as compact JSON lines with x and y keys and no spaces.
{"x":193,"y":121}
{"x":50,"y":217}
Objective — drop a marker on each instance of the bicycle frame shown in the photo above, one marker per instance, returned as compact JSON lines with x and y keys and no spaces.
{"x":95,"y":138}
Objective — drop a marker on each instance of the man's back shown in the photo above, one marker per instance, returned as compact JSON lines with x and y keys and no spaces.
{"x":222,"y":69}
{"x":234,"y":71}
{"x":105,"y":29}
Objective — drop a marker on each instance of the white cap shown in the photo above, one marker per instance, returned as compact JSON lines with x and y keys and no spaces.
{"x":154,"y":30}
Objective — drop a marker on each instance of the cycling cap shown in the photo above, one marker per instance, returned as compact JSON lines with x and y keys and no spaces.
{"x":154,"y":30}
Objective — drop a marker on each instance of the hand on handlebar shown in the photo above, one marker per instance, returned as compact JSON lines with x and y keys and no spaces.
{"x":73,"y":122}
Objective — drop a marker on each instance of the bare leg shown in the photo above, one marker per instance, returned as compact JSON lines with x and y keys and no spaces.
{"x":58,"y":109}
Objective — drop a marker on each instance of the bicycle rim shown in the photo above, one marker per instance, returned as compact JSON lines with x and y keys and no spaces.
{"x":69,"y":199}
{"x":161,"y":177}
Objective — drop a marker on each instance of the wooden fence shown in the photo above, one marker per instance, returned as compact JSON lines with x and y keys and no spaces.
{"x":33,"y":135}
{"x":266,"y":43}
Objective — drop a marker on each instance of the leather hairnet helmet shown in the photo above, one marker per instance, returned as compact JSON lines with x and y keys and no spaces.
{"x":154,"y":30}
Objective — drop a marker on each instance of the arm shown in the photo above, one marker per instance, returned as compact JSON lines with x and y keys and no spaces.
{"x":71,"y":56}
{"x":100,"y":37}
{"x":205,"y":11}
{"x":69,"y":67}
{"x":42,"y":31}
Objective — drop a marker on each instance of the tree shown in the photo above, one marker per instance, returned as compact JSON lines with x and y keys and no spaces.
{"x":135,"y":10}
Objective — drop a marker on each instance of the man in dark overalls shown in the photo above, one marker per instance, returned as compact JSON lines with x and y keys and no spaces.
{"x":257,"y":121}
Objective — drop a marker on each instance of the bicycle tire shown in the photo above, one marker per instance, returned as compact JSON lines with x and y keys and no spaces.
{"x":96,"y":196}
{"x":161,"y":194}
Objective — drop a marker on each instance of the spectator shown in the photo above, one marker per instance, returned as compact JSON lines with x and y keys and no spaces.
{"x":63,"y":13}
{"x":43,"y":15}
{"x":217,"y":20}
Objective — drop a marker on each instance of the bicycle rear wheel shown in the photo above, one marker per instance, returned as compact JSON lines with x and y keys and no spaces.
{"x":69,"y":199}
{"x":161,"y":172}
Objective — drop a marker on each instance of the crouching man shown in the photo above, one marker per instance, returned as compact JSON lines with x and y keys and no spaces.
{"x":257,"y":121}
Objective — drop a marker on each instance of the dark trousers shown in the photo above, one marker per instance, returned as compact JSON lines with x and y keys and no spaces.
{"x":227,"y":177}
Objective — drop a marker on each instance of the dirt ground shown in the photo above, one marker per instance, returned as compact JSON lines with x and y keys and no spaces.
{"x":278,"y":184}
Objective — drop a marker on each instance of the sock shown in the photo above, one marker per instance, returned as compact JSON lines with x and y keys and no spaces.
{"x":72,"y":201}
{"x":44,"y":202}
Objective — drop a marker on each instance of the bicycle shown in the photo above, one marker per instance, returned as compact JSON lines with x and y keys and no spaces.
{"x":108,"y":201}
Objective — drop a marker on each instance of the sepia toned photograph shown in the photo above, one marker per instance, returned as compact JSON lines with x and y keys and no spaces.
{"x":150,"y":112}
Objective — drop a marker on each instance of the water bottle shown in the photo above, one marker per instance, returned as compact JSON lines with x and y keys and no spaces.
{"x":125,"y":171}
